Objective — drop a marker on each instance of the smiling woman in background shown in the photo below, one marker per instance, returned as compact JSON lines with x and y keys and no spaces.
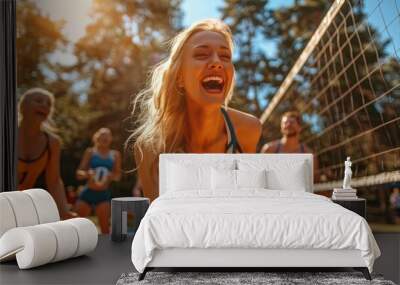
{"x":100,"y":165}
{"x":184,"y":108}
{"x":39,"y":147}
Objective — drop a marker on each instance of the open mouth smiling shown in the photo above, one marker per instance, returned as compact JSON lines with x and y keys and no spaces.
{"x":213,"y":84}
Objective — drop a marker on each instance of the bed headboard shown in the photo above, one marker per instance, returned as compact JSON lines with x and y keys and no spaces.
{"x":210,"y":157}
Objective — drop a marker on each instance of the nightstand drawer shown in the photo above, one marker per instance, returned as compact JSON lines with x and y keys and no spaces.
{"x":358,"y":206}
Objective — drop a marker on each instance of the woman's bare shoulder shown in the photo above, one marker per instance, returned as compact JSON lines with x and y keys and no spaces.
{"x":247,"y":128}
{"x":54,"y":140}
{"x":116,"y":152}
{"x":244,"y":121}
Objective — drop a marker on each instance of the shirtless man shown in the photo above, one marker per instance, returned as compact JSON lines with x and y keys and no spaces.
{"x":290,"y":141}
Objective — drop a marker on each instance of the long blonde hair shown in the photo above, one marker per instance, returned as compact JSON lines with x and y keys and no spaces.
{"x":161,"y":116}
{"x":48,"y":125}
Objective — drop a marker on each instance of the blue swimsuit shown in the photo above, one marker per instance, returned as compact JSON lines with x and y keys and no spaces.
{"x":101,"y":166}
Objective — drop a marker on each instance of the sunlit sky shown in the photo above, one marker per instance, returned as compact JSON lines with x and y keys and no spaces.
{"x":76,"y":16}
{"x":77,"y":19}
{"x":74,"y":12}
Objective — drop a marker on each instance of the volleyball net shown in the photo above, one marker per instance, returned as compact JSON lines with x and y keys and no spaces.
{"x":346,"y":85}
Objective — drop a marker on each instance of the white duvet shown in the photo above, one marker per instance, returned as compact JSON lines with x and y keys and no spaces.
{"x":253,"y":218}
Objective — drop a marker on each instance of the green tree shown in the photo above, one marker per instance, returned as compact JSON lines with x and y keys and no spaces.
{"x":341,"y":64}
{"x":248,"y":21}
{"x":291,"y":28}
{"x":260,"y":71}
{"x":349,"y":62}
{"x":38,"y":37}
{"x":125,"y":39}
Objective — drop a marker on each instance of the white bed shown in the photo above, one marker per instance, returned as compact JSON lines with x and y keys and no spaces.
{"x":203,"y":220}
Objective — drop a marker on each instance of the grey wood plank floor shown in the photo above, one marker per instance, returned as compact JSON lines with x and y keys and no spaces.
{"x":102,"y":266}
{"x":109,"y":260}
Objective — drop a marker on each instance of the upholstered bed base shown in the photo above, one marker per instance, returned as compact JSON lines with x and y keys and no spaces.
{"x":253,"y":258}
{"x":245,"y":258}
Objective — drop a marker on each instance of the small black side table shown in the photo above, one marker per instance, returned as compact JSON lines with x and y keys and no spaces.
{"x":119,"y":215}
{"x":357,"y":205}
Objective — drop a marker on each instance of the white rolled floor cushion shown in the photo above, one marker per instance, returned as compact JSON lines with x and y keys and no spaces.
{"x":31,"y":230}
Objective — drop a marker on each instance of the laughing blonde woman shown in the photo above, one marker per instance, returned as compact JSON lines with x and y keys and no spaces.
{"x":39,"y":148}
{"x":185,"y":106}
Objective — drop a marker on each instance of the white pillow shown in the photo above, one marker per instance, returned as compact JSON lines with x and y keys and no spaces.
{"x":251,"y":178}
{"x":219,"y":163}
{"x":227,"y":179}
{"x":223,"y":179}
{"x":295,"y":180}
{"x":187,"y":174}
{"x":181,"y":177}
{"x":281,"y":174}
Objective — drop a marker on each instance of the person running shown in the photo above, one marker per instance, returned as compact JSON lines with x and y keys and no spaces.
{"x":99,"y":166}
{"x":290,"y":141}
{"x":185,"y":107}
{"x":39,"y":148}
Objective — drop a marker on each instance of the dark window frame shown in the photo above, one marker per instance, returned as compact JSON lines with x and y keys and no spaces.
{"x":8,"y":104}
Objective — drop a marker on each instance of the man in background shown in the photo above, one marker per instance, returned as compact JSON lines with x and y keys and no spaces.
{"x":290,"y":141}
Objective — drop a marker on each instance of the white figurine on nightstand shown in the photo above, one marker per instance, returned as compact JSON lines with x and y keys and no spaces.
{"x":347,"y":192}
{"x":347,"y":174}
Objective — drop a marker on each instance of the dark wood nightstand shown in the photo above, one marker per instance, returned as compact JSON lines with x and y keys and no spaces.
{"x":357,"y":205}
